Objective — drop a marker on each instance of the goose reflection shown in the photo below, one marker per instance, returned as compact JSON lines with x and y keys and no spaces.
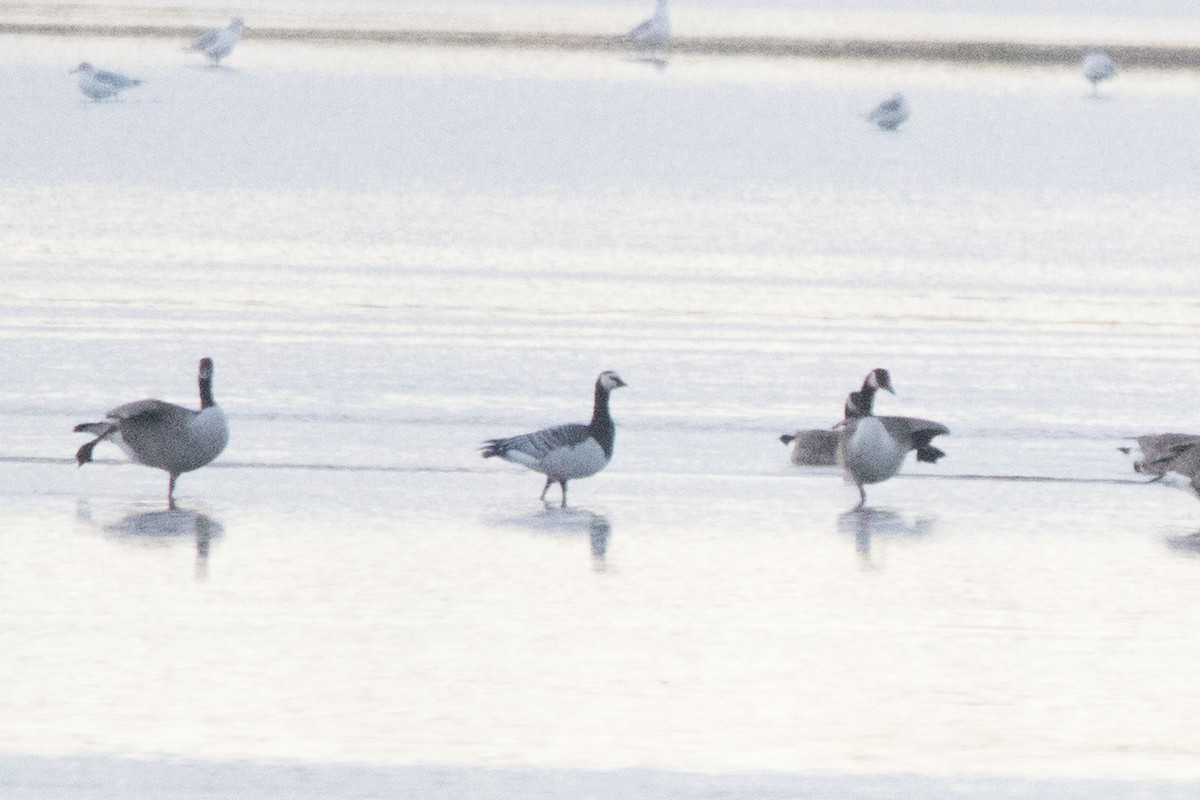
{"x":568,"y":522}
{"x":869,"y":523}
{"x":163,"y":525}
{"x":1189,"y":543}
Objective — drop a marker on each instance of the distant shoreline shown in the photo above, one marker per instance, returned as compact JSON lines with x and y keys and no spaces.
{"x":1180,"y":57}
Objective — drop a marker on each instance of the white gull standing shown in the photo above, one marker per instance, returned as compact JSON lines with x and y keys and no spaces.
{"x":218,"y":42}
{"x":100,"y":84}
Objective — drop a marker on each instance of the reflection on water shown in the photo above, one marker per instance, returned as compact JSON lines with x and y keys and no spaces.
{"x":165,"y":525}
{"x":1189,"y":543}
{"x":567,"y":522}
{"x":868,"y":523}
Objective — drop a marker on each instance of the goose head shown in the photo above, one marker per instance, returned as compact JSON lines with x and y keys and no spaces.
{"x":236,"y":24}
{"x":609,"y":380}
{"x":879,"y":378}
{"x":83,"y":67}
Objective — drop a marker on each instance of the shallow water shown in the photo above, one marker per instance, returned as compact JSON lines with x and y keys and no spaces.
{"x":392,"y":254}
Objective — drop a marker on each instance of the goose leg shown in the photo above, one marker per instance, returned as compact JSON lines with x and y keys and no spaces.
{"x":862,"y":498}
{"x":545,"y":489}
{"x":171,"y":491}
{"x":564,"y":492}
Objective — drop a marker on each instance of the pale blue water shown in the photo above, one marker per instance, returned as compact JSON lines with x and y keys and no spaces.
{"x":393,"y":254}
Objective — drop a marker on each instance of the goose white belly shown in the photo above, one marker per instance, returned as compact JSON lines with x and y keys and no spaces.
{"x":870,"y":454}
{"x":576,"y":461}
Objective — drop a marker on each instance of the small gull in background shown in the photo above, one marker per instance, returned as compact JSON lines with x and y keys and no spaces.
{"x":890,"y":113}
{"x":652,"y":34}
{"x":100,"y":84}
{"x":218,"y":42}
{"x":1098,"y":66}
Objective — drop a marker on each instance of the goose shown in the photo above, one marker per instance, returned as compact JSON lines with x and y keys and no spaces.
{"x":218,"y":42}
{"x":890,"y":113}
{"x":164,"y":435}
{"x":817,"y":447}
{"x":654,"y":32}
{"x":100,"y":84}
{"x":1170,"y":457}
{"x":871,"y":449}
{"x":1098,"y":66}
{"x":565,"y":452}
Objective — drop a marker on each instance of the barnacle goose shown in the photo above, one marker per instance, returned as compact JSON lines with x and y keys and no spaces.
{"x":164,"y":435}
{"x":565,"y":452}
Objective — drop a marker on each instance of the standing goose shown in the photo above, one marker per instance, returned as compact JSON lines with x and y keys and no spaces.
{"x":100,"y":84}
{"x":218,"y":42}
{"x":1098,"y":66}
{"x":565,"y":452}
{"x":871,"y":449}
{"x":1171,"y":456}
{"x":164,"y":435}
{"x":817,"y":447}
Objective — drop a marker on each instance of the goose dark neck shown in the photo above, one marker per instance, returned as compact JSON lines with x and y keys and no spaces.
{"x":206,"y":395}
{"x":861,"y":403}
{"x":603,"y":430}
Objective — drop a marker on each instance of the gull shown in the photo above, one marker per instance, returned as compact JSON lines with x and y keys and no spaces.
{"x":164,"y":435}
{"x":1098,"y":66}
{"x":100,"y":84}
{"x":218,"y":42}
{"x":654,"y":32}
{"x":565,"y":452}
{"x":890,"y":113}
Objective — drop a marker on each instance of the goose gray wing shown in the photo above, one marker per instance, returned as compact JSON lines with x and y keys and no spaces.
{"x":917,"y":433}
{"x":533,"y":447}
{"x":149,"y":409}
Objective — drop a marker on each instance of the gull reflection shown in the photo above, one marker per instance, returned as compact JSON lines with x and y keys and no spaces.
{"x":163,"y":525}
{"x":571,"y":522}
{"x":870,"y":523}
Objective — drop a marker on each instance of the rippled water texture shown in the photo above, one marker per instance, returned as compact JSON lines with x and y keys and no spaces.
{"x":392,"y":254}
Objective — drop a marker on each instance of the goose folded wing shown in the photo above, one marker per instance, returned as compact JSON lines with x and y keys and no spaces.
{"x":147,"y":409}
{"x":539,"y":444}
